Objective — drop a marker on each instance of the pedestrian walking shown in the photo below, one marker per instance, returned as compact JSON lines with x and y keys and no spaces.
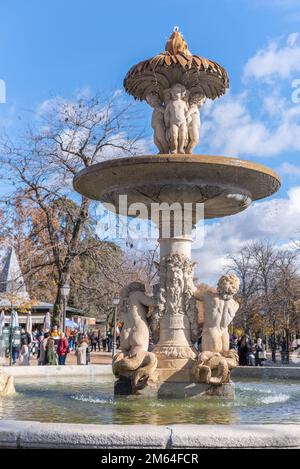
{"x":50,"y":355}
{"x":250,"y":352}
{"x":24,"y":355}
{"x":42,"y":349}
{"x":260,"y":353}
{"x":242,"y":351}
{"x":104,"y":342}
{"x":94,"y":340}
{"x":25,"y":337}
{"x":62,"y":349}
{"x":81,"y":353}
{"x":273,"y":348}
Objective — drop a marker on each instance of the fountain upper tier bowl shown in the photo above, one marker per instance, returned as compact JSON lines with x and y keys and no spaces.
{"x":225,"y":185}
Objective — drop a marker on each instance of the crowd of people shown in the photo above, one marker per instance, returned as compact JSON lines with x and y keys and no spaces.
{"x":52,"y":347}
{"x":253,"y":352}
{"x":250,"y":352}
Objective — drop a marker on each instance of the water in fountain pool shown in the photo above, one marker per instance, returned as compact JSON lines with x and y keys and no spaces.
{"x":92,"y":401}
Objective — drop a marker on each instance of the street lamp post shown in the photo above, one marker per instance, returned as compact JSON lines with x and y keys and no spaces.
{"x":286,"y":320}
{"x":115,"y":301}
{"x":262,"y":313}
{"x":64,"y":291}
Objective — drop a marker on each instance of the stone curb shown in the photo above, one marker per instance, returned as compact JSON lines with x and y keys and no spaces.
{"x":271,"y":372}
{"x":266,"y":372}
{"x":236,"y":436}
{"x":67,"y":370}
{"x":26,"y":434}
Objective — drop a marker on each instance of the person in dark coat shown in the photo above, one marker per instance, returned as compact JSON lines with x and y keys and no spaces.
{"x":242,"y":351}
{"x":25,"y":337}
{"x":250,"y":352}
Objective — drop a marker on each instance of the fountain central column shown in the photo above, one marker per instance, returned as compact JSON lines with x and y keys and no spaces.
{"x":177,"y":311}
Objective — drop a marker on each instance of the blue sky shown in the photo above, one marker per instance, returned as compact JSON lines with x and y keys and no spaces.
{"x":57,"y":47}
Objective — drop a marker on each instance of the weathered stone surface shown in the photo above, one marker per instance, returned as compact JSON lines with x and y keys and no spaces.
{"x":266,"y":372}
{"x":235,"y":436}
{"x":176,"y":63}
{"x":175,"y":119}
{"x":50,"y":435}
{"x":134,"y":360}
{"x":195,"y":390}
{"x":184,"y":389}
{"x":216,"y":360}
{"x":67,"y":370}
{"x":10,"y":431}
{"x":6,"y":384}
{"x":225,"y":185}
{"x":123,"y":386}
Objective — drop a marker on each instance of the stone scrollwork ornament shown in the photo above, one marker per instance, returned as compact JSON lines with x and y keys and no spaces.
{"x":176,"y":307}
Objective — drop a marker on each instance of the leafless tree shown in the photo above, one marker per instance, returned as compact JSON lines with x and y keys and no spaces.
{"x":66,"y":137}
{"x":244,"y":267}
{"x":268,"y":283}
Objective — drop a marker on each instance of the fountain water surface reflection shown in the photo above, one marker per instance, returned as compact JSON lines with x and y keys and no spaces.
{"x":78,"y":400}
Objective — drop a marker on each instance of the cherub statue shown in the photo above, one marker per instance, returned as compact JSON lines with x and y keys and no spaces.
{"x":216,"y":359}
{"x":193,"y":121}
{"x":176,"y":117}
{"x":134,"y":360}
{"x":158,"y":123}
{"x":220,"y":310}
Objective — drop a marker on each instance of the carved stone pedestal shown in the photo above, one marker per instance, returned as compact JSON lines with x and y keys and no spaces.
{"x":180,"y":388}
{"x":174,"y":340}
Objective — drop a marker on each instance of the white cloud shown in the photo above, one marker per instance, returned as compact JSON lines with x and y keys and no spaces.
{"x":277,"y":220}
{"x":264,"y":123}
{"x":292,"y":39}
{"x":275,"y":61}
{"x":229,"y":127}
{"x":289,"y":169}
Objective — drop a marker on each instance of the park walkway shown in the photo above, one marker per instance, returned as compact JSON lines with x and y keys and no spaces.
{"x":97,"y":358}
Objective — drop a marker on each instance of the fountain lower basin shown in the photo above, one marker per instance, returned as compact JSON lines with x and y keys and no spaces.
{"x":91,"y":401}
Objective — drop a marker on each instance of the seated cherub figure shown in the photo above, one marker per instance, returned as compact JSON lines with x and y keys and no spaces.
{"x":176,"y":118}
{"x":193,"y":121}
{"x":158,"y":123}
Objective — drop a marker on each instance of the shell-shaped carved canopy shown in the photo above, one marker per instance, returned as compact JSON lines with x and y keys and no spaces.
{"x":176,"y":65}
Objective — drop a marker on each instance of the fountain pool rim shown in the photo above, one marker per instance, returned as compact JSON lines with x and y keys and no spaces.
{"x":34,"y":434}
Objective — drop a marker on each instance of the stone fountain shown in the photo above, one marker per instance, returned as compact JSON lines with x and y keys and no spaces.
{"x":176,"y":84}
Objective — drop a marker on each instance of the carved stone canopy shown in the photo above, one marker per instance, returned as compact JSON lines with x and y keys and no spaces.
{"x":176,"y":65}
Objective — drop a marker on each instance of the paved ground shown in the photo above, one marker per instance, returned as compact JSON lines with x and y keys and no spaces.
{"x":103,"y":358}
{"x":97,"y":358}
